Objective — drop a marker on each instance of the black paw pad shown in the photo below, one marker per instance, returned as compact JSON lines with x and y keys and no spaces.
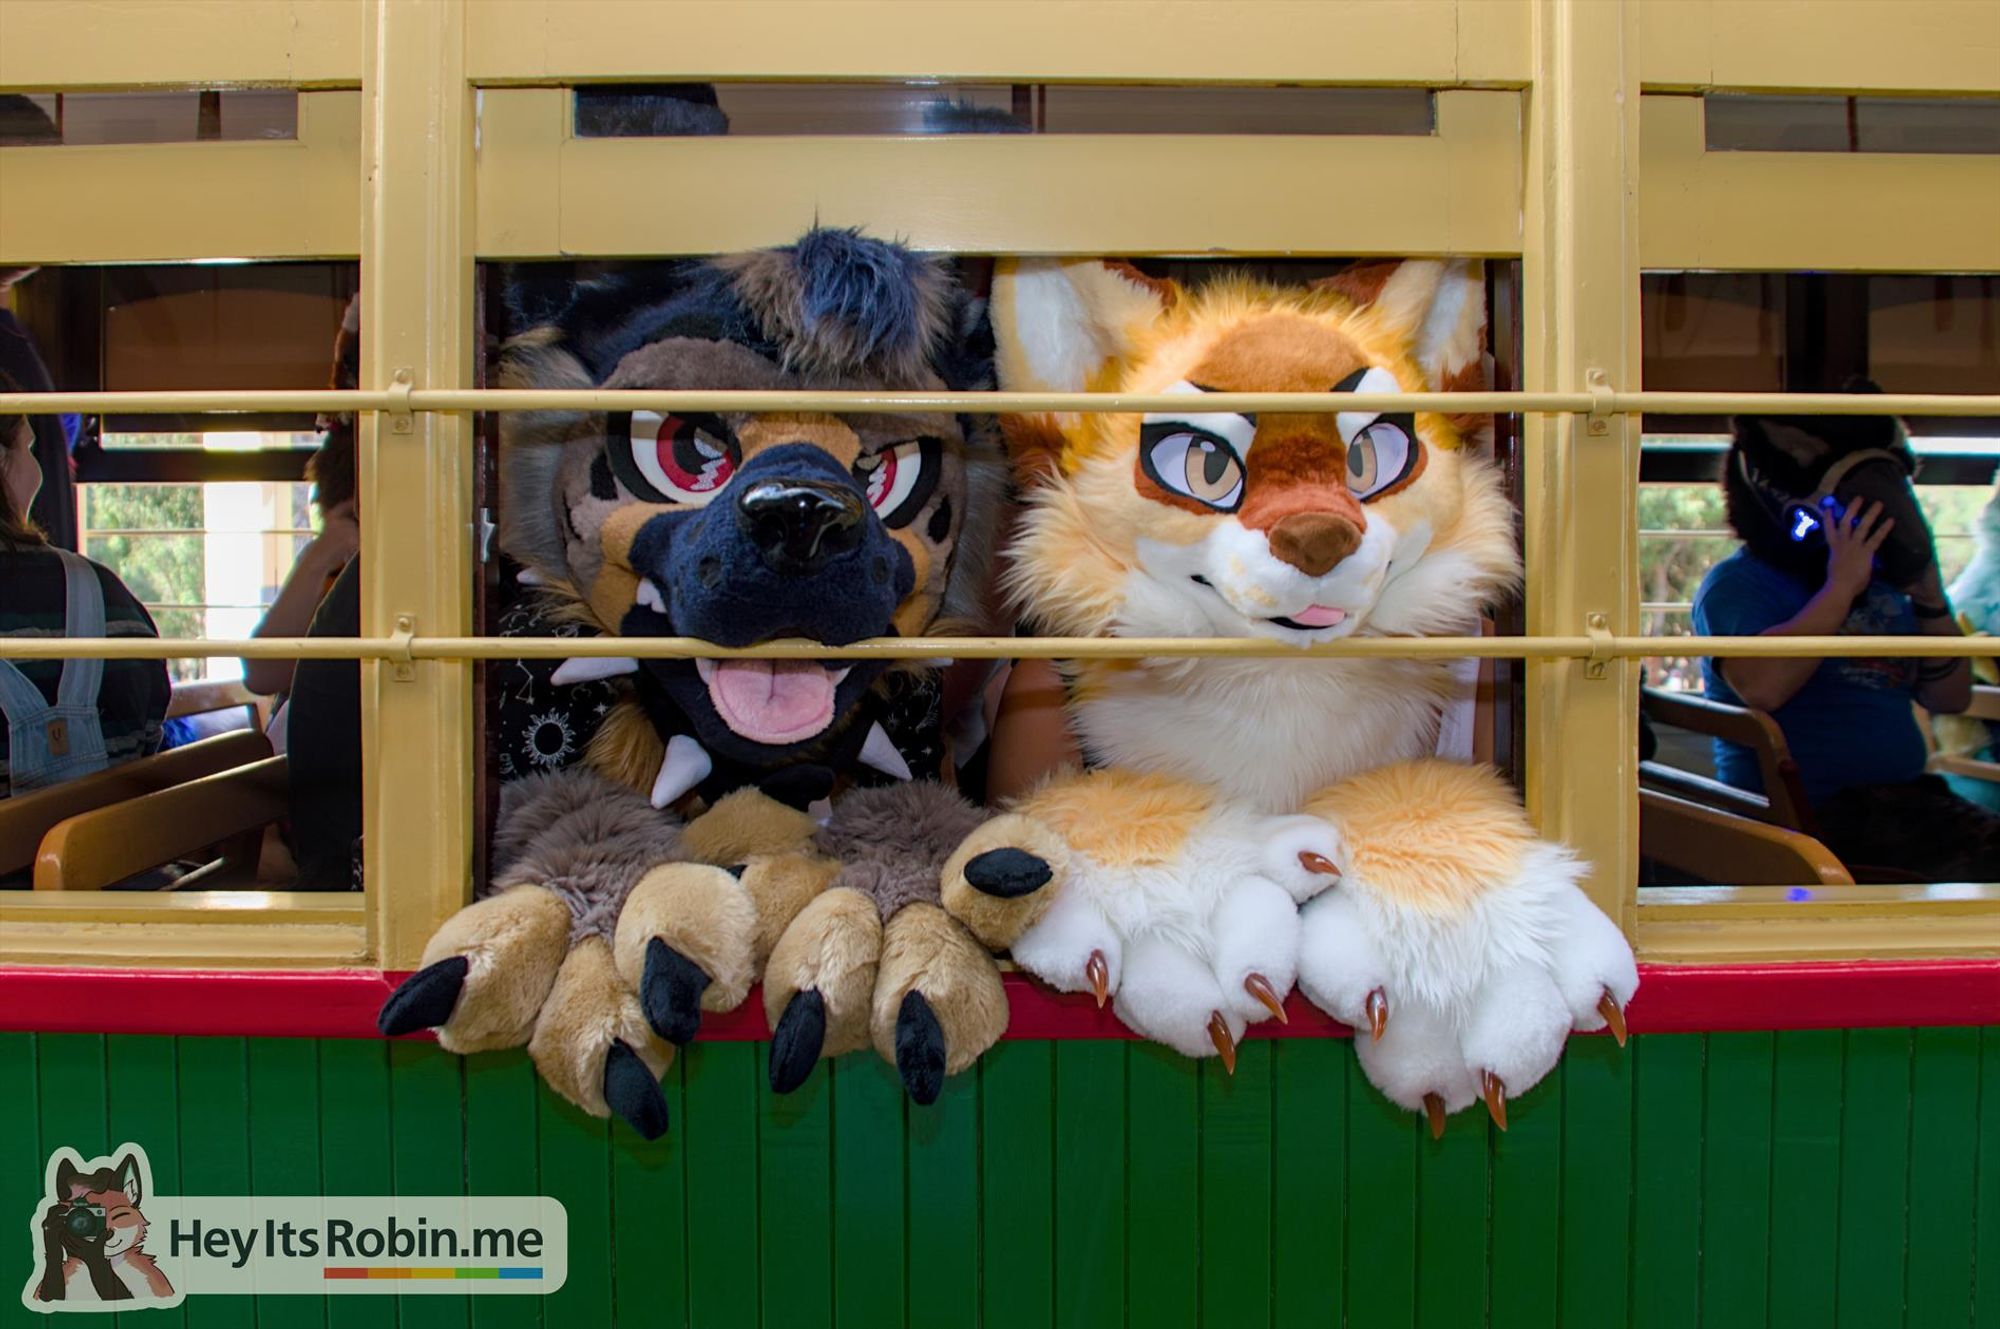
{"x":920,"y":1049}
{"x":670,"y":993}
{"x":426,"y":998}
{"x":631,"y":1091}
{"x":798,"y":1040}
{"x":1007,"y":873}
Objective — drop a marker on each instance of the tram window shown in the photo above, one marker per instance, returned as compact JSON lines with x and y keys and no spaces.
{"x":1766,"y":332}
{"x":191,"y":116}
{"x":1739,"y":123}
{"x":931,"y":107}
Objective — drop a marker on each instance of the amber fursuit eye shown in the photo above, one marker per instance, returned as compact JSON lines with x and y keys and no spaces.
{"x":1380,"y":455}
{"x":1193,"y":463}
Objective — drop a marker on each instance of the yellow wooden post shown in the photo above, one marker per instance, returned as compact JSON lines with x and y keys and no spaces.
{"x":416,"y":470}
{"x":1581,"y":308}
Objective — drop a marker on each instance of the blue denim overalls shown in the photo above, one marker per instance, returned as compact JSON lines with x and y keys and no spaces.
{"x":47,"y":744}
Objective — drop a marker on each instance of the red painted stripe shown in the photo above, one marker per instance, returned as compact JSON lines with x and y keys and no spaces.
{"x":342,"y":1003}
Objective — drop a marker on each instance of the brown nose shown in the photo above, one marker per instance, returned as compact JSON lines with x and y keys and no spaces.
{"x":1313,"y":542}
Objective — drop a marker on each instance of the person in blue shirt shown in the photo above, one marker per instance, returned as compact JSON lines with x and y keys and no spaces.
{"x":1834,"y":544}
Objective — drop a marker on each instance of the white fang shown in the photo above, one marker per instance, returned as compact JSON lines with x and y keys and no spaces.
{"x":686,"y":765}
{"x":880,"y":753}
{"x":649,"y":596}
{"x":586,"y":669}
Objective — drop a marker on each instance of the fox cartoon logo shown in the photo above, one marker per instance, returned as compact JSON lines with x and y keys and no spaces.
{"x":90,"y":1235}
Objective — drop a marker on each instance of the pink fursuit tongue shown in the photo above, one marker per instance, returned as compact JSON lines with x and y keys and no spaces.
{"x":1319,"y":616}
{"x":770,"y":701}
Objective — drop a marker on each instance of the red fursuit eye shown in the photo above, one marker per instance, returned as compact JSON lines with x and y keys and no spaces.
{"x":690,"y":458}
{"x":882,"y":481}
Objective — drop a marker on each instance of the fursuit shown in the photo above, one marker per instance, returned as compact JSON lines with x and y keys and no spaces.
{"x":1254,"y":822}
{"x":806,"y":852}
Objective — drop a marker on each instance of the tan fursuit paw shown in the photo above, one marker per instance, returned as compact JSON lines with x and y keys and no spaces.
{"x":819,"y":982}
{"x":687,"y":942}
{"x":594,"y":1047}
{"x":1000,"y":879}
{"x":744,"y":825}
{"x":486,"y":973}
{"x":1456,"y":943}
{"x":938,"y":1001}
{"x":1177,"y":907}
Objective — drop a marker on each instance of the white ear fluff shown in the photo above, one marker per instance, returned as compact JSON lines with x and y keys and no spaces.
{"x":1057,"y":321}
{"x":1440,"y":307}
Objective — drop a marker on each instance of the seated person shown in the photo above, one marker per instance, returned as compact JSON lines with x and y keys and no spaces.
{"x":331,"y":471}
{"x":65,"y":718}
{"x":1834,"y":543}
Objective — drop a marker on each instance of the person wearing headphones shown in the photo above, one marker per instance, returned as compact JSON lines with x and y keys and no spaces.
{"x":1835,"y":544}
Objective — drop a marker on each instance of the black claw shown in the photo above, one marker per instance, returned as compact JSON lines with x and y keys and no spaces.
{"x":798,"y":1040}
{"x":1007,"y":873}
{"x":920,"y":1048}
{"x":670,"y":993}
{"x":425,"y":999}
{"x":631,"y":1091}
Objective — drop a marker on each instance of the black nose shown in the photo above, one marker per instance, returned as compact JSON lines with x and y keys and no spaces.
{"x":798,"y":525}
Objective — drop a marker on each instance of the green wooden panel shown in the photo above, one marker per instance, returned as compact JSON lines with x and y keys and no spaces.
{"x":1164,"y":1168}
{"x":142,"y":1105}
{"x":1805,"y":1174}
{"x":284,"y":1146}
{"x":1736,"y":1209}
{"x":649,"y":1215}
{"x":1944,"y":1148}
{"x":215,"y":1147}
{"x":72,"y":1093}
{"x":354,"y":1135}
{"x":1235,"y":1188}
{"x":1382,"y":1142}
{"x":1527,"y":1194}
{"x":22,"y":1158}
{"x":1596,"y":1184}
{"x":868,"y":1191}
{"x":1986,"y":1258}
{"x":1667,"y":1176}
{"x":573,"y":1153}
{"x":1874,"y":1177}
{"x":1308,"y":1211}
{"x":795,"y":1200}
{"x":1090,"y":1184}
{"x":1017,"y":1175}
{"x":427,"y":1154}
{"x":719,"y":1131}
{"x":500,"y":1159}
{"x":1451,"y":1226}
{"x":943,"y":1162}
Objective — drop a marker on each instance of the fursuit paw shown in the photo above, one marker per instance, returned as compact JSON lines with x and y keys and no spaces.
{"x":1001,"y":878}
{"x":819,"y":983}
{"x":595,"y":1047}
{"x":685,"y":943}
{"x":1459,"y":947}
{"x":1181,"y":911}
{"x":938,"y":1003}
{"x":486,"y":973}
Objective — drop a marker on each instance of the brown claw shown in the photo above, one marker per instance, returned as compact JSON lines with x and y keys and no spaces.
{"x":1260,"y":987}
{"x":1099,"y":975}
{"x":1434,"y":1110}
{"x":1319,"y":863}
{"x":1495,"y":1094}
{"x":1225,"y":1046}
{"x":1607,"y":1007}
{"x":1378,"y":1013}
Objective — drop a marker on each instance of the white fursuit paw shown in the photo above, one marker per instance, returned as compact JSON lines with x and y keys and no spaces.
{"x":1194,"y":944}
{"x":1461,"y":984}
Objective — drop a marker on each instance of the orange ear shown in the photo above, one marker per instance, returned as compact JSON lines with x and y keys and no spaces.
{"x":1437,"y":308}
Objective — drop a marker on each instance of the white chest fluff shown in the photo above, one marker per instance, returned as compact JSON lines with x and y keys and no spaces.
{"x":1266,"y":732}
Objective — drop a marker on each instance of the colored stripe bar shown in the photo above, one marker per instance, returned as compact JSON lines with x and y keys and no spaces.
{"x":408,"y":1271}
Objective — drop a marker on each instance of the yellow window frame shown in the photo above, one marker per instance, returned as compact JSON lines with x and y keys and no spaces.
{"x":1540,"y":106}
